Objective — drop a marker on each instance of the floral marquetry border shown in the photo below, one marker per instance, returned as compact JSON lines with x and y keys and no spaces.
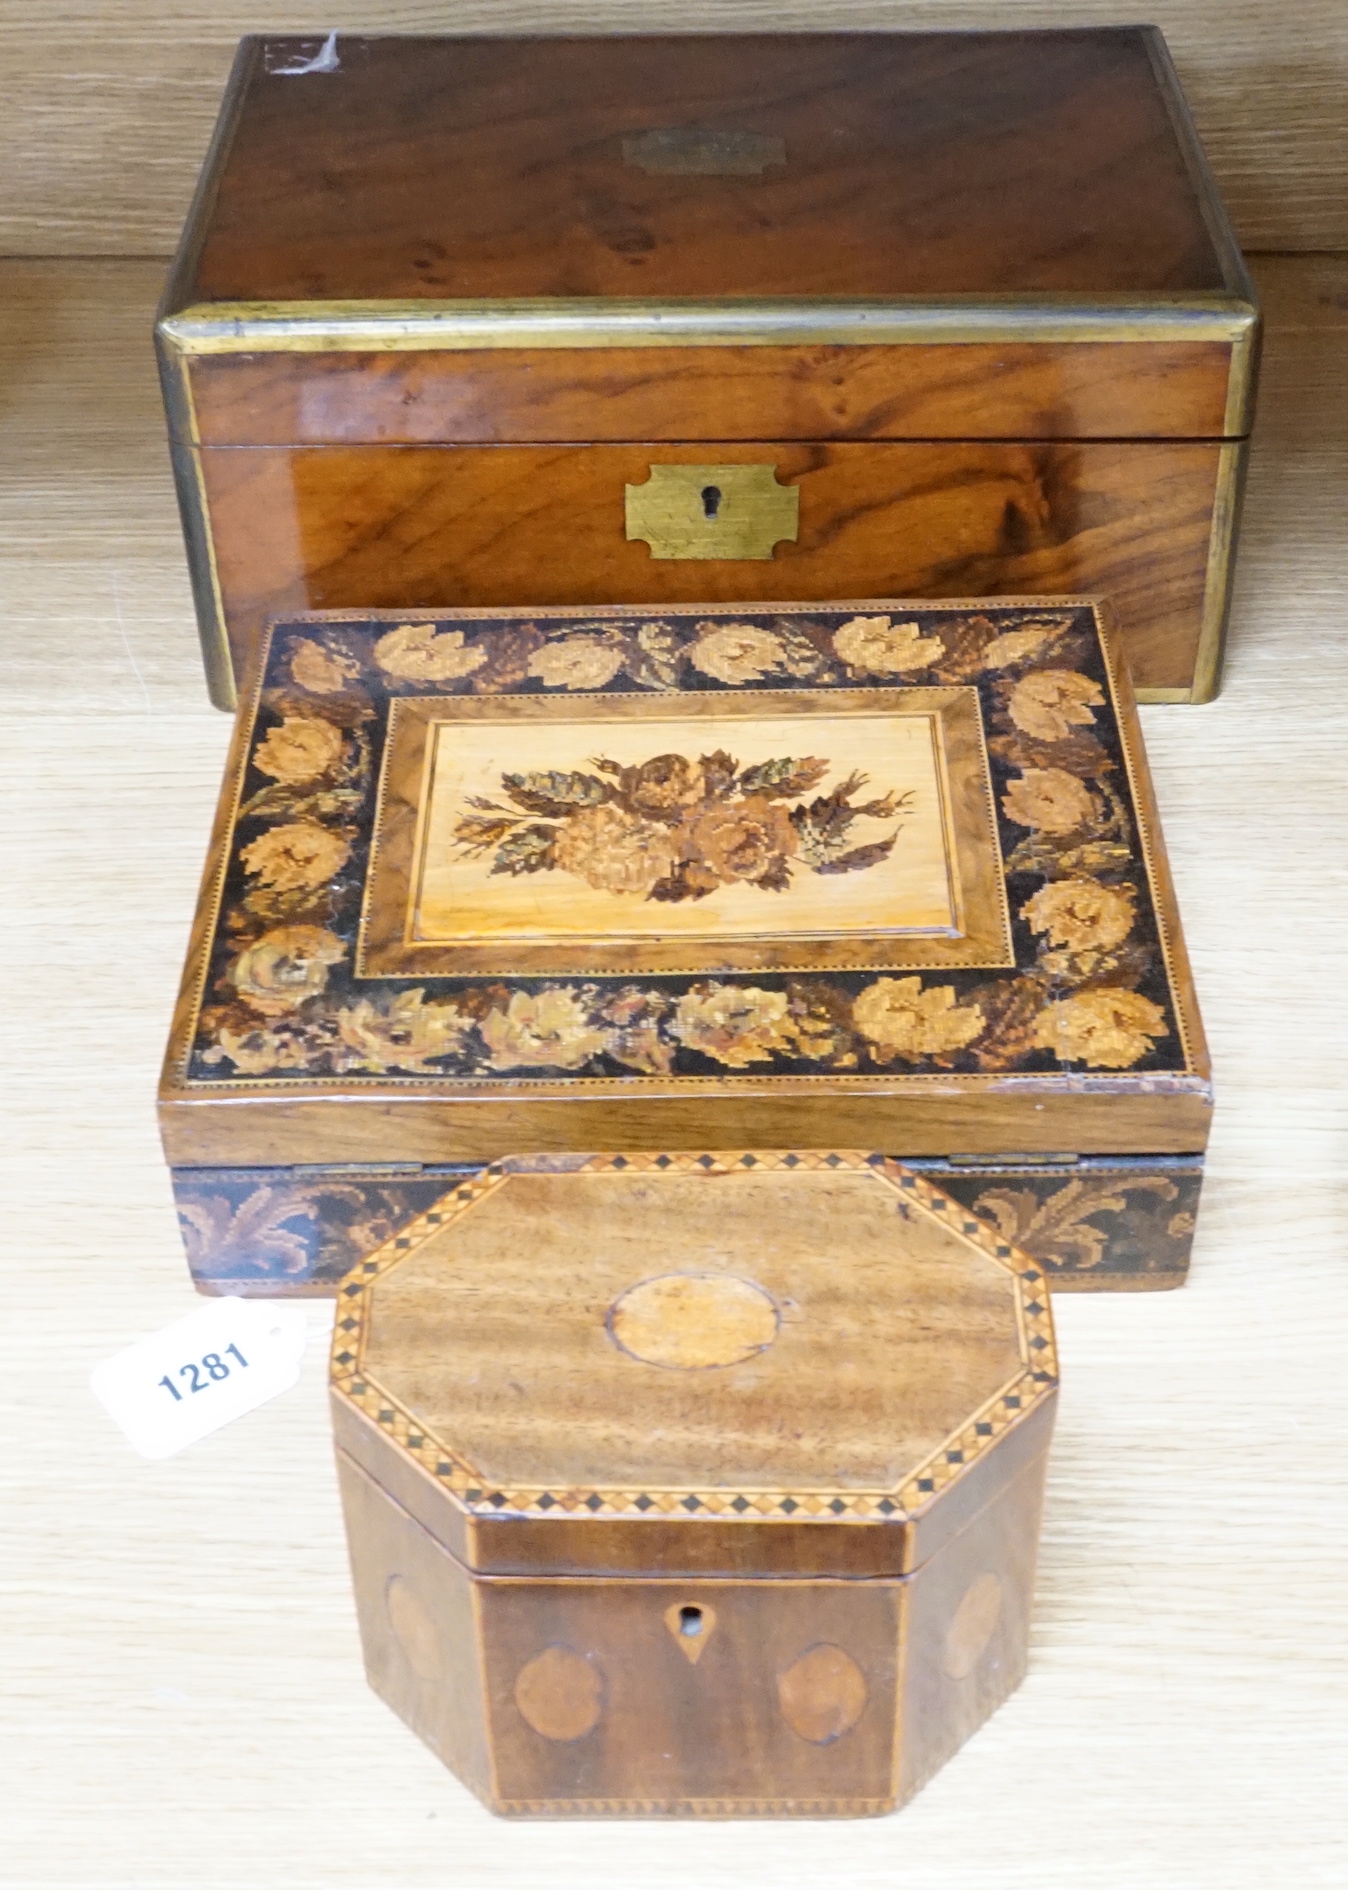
{"x":951,"y":1459}
{"x":279,"y":998}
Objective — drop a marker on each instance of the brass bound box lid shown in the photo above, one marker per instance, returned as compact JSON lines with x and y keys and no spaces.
{"x":847,"y":166}
{"x":883,"y":873}
{"x":811,"y":1361}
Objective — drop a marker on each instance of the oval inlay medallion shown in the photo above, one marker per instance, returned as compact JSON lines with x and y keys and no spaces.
{"x":823,"y":1694}
{"x":413,"y":1629}
{"x":560,"y":1693}
{"x":972,"y":1627}
{"x":691,"y":1321}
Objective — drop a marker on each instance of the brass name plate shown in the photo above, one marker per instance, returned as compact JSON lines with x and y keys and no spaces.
{"x":713,"y":511}
{"x":690,"y":151}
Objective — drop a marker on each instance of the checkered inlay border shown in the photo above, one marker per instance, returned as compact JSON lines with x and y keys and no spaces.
{"x":951,"y":1459}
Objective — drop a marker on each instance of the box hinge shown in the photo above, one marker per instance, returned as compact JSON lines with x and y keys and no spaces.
{"x":357,"y":1168}
{"x":1018,"y":1157}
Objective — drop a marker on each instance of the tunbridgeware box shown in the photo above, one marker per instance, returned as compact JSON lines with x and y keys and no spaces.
{"x":884,"y":875}
{"x":499,"y":322}
{"x":694,"y":1485}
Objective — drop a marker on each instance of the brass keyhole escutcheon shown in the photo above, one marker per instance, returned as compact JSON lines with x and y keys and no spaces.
{"x":713,"y":512}
{"x":692,"y":1624}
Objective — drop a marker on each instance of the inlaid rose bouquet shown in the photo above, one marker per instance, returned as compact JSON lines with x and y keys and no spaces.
{"x":674,"y":828}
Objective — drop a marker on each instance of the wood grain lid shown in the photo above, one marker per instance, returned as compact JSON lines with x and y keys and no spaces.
{"x":688,"y":1354}
{"x":882,"y":165}
{"x":882,"y":873}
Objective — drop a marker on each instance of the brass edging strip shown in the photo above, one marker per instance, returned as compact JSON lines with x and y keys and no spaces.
{"x":1233,"y":458}
{"x":1245,"y":348}
{"x":185,"y":458}
{"x":1224,"y":239}
{"x":183,"y":269}
{"x":1151,"y":846}
{"x":584,"y":322}
{"x":1243,"y":382}
{"x":176,"y":382}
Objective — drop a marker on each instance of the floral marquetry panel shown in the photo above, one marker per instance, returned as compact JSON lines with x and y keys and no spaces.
{"x":590,"y":855}
{"x":644,"y":861}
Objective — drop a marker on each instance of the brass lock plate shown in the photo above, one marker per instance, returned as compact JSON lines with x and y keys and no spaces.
{"x":713,"y":511}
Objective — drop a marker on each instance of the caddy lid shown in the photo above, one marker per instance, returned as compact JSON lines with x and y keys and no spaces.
{"x":886,"y":873}
{"x":808,"y":1361}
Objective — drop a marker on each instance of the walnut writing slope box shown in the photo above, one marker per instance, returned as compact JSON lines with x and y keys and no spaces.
{"x":485,"y":322}
{"x":485,"y":884}
{"x":695,"y":1484}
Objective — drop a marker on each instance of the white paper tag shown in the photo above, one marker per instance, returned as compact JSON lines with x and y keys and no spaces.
{"x":181,"y":1384}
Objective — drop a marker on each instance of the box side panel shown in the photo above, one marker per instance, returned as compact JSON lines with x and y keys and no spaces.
{"x":726,"y":1546}
{"x":690,"y":1697}
{"x":685,"y":1697}
{"x":261,"y":1231}
{"x":979,"y":1485}
{"x":248,"y":666}
{"x":418,"y":1627}
{"x":924,"y":1118}
{"x":1095,"y":1225}
{"x":1225,"y":245}
{"x":415,"y":527}
{"x":1151,"y":839}
{"x":1030,"y":389}
{"x":967,"y":1629}
{"x":593,"y":1546}
{"x":1233,"y":468}
{"x":400,"y":1476}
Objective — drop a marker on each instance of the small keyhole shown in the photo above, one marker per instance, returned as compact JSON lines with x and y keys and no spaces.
{"x":711,"y":505}
{"x":690,"y":1621}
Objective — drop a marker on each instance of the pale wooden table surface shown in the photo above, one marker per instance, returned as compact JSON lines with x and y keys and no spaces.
{"x":181,"y":1697}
